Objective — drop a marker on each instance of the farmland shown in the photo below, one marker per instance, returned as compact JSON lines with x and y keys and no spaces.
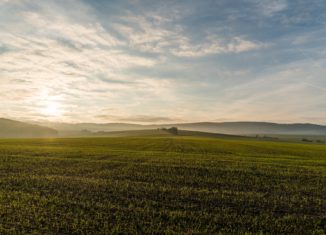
{"x":161,"y":185}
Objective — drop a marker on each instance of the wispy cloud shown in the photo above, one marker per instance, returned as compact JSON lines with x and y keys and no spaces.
{"x":147,"y":61}
{"x":144,"y":119}
{"x":152,"y":34}
{"x":271,"y":7}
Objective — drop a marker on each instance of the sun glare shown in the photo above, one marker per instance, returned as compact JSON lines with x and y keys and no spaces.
{"x":52,"y":109}
{"x":50,"y":105}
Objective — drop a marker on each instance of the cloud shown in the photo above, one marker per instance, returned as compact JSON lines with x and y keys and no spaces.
{"x":138,"y":119}
{"x":270,"y":7}
{"x":76,"y":35}
{"x":149,"y":61}
{"x":144,"y":35}
{"x":63,"y":57}
{"x":215,"y":46}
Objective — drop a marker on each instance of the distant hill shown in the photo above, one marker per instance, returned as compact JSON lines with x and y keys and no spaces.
{"x":131,"y":133}
{"x":77,"y":129}
{"x":157,"y":133}
{"x":15,"y":129}
{"x":233,"y":128}
{"x":252,"y":128}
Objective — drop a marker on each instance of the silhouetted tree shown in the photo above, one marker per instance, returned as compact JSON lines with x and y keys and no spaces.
{"x":173,"y":130}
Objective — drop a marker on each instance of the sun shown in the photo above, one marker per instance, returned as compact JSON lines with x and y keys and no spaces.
{"x":52,"y":109}
{"x":50,"y":106}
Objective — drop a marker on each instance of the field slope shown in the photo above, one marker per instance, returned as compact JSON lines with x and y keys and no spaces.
{"x":161,"y":185}
{"x":14,"y":129}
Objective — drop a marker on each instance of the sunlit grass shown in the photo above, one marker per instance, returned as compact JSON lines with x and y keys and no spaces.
{"x":180,"y":185}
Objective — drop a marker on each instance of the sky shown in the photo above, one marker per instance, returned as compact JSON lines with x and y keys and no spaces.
{"x":150,"y":61}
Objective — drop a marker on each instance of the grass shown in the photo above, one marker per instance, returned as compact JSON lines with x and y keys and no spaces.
{"x":161,"y":185}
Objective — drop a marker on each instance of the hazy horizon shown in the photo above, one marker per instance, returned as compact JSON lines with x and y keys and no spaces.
{"x":49,"y":122}
{"x":153,"y":62}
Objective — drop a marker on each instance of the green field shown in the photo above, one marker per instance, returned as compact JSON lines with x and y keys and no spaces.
{"x":161,"y":185}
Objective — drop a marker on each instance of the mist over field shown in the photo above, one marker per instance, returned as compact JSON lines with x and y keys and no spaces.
{"x":10,"y":128}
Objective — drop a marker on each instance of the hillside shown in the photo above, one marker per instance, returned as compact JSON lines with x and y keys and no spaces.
{"x":234,"y":128}
{"x":131,"y":133}
{"x":15,"y":129}
{"x":251,"y":128}
{"x":160,"y":133}
{"x":81,"y":129}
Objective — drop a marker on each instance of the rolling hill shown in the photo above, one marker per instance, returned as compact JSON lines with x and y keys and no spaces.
{"x":15,"y":129}
{"x":10,"y":128}
{"x":233,"y":128}
{"x":160,"y":133}
{"x":252,"y":128}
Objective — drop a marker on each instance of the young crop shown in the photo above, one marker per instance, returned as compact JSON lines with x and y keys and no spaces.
{"x":163,"y":185}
